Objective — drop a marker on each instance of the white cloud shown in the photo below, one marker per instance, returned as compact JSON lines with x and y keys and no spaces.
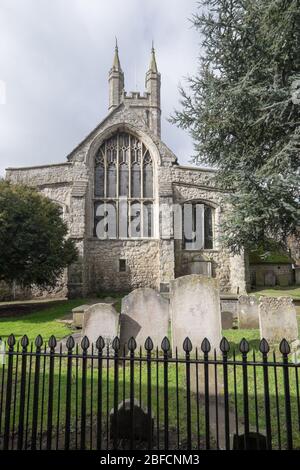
{"x":54,"y":59}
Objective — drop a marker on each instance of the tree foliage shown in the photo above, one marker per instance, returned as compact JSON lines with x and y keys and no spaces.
{"x":34,"y":248}
{"x":243,"y":112}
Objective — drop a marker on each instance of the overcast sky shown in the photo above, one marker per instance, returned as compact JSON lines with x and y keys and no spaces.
{"x":54,"y":61}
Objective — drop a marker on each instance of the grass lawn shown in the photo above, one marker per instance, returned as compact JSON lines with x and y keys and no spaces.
{"x":278,"y":291}
{"x":41,"y":321}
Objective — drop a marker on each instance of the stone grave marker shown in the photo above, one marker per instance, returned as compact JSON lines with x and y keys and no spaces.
{"x":195,"y":311}
{"x":277,"y":319}
{"x":141,"y":422}
{"x":144,"y":313}
{"x":101,"y":320}
{"x":78,"y":314}
{"x":227,"y":320}
{"x":248,"y":312}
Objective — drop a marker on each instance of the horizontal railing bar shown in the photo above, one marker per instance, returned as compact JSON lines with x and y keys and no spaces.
{"x":138,"y":358}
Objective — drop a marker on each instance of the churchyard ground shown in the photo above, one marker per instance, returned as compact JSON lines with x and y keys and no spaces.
{"x":46,"y":318}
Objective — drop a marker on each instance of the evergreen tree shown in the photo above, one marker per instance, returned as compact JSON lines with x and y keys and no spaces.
{"x":34,"y":248}
{"x":243,"y":112}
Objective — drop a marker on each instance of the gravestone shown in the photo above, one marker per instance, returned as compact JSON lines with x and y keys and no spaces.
{"x":270,"y":279}
{"x":229,"y":304}
{"x":277,"y":319}
{"x":227,"y":320}
{"x":144,"y":313}
{"x":141,"y":422}
{"x":248,"y":312}
{"x":78,"y":314}
{"x":195,"y":311}
{"x":101,"y":320}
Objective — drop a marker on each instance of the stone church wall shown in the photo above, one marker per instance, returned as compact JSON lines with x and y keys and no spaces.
{"x":198,"y":184}
{"x":103,"y":264}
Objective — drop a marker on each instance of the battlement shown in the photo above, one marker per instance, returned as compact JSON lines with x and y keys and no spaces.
{"x":136,"y":95}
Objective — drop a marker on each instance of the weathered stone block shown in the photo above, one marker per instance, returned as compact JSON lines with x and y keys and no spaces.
{"x":277,"y":319}
{"x":78,"y":315}
{"x":101,"y":320}
{"x":248,"y":312}
{"x":195,"y":311}
{"x":144,"y":313}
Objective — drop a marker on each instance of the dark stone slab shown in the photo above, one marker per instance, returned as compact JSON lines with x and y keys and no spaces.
{"x":140,"y":422}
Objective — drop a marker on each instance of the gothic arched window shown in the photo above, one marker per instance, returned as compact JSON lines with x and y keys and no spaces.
{"x":124,"y":180}
{"x":198,"y":226}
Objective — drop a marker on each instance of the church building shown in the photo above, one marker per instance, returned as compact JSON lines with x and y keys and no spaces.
{"x":123,"y":164}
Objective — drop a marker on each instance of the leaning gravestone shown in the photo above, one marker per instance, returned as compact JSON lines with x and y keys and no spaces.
{"x":101,"y":320}
{"x":195,"y":311}
{"x":248,"y":312}
{"x":144,"y":313}
{"x":277,"y":319}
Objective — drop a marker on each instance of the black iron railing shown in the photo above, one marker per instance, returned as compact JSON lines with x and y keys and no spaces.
{"x":70,"y":396}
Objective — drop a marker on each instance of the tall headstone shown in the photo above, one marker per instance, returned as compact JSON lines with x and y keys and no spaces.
{"x":195,"y":311}
{"x":248,"y":312}
{"x":277,"y":319}
{"x":101,"y":320}
{"x":144,"y":313}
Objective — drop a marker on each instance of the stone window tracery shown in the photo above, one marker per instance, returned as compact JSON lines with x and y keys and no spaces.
{"x":124,"y":180}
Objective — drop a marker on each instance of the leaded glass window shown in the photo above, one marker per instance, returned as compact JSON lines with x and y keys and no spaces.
{"x":124,"y":177}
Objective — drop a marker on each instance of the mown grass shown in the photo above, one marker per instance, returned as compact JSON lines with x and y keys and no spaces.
{"x":41,"y":322}
{"x":278,"y":291}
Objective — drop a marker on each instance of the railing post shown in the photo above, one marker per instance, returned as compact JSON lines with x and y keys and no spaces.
{"x":205,"y":347}
{"x":244,"y":349}
{"x":84,"y":345}
{"x":11,"y":342}
{"x":149,"y":348}
{"x":131,"y":348}
{"x":99,"y":345}
{"x":225,"y":348}
{"x":264,"y":349}
{"x":35,"y":404}
{"x":116,"y":348}
{"x":70,"y":345}
{"x":52,"y":345}
{"x":285,"y":351}
{"x":165,"y":346}
{"x":187,"y":347}
{"x":24,"y":344}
